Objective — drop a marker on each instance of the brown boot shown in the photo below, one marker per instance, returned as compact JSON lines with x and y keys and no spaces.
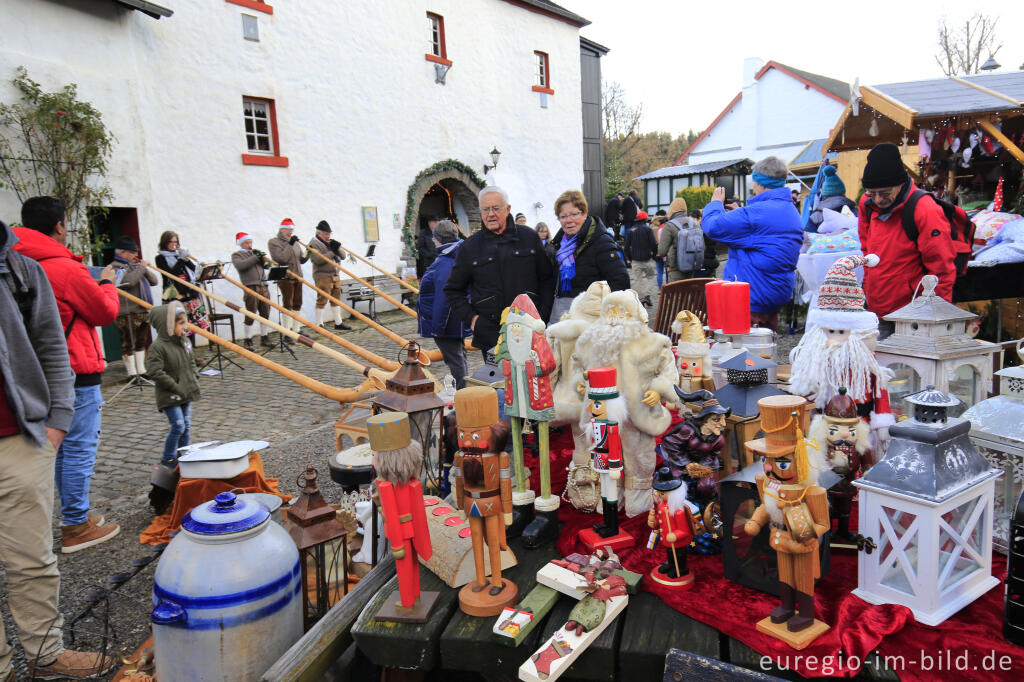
{"x":78,"y":537}
{"x":784,"y":611}
{"x":805,"y":613}
{"x":74,"y":665}
{"x":96,"y":519}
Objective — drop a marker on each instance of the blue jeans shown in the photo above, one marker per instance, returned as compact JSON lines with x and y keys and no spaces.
{"x":180,"y":417}
{"x":77,"y":456}
{"x":660,"y":266}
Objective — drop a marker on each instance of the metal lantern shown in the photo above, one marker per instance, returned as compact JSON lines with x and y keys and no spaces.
{"x":932,"y":346}
{"x":927,"y":506}
{"x":997,"y":432}
{"x":323,"y":548}
{"x":411,"y":391}
{"x":1013,"y":626}
{"x":747,"y":375}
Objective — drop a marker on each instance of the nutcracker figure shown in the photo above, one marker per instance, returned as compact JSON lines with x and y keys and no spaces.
{"x":483,"y":490}
{"x":847,"y":444}
{"x":693,"y":354}
{"x":526,"y":361}
{"x":797,"y":511}
{"x":397,"y":459}
{"x":606,"y":454}
{"x":673,"y":528}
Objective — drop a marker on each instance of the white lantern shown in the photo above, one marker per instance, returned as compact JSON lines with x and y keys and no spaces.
{"x":997,"y":431}
{"x":933,"y":347}
{"x":927,"y":507}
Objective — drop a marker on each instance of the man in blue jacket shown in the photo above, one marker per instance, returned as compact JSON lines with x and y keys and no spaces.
{"x":764,"y":239}
{"x":437,"y":320}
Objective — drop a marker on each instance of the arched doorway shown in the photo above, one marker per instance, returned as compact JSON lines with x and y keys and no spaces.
{"x":447,"y":189}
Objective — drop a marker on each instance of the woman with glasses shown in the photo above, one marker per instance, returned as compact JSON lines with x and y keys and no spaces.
{"x":582,"y":252}
{"x":175,"y":260}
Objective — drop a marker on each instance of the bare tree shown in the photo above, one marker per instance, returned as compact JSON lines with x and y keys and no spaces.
{"x":964,"y":50}
{"x":621,"y":120}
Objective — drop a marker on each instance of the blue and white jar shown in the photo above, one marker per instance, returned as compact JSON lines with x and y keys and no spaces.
{"x":227,"y":596}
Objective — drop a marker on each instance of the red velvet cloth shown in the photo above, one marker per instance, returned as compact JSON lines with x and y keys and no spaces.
{"x":857,"y":628}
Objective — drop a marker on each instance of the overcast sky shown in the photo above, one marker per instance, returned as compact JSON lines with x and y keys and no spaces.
{"x":684,"y":60}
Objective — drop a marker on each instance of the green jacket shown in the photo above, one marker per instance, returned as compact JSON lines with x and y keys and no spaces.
{"x":169,"y":361}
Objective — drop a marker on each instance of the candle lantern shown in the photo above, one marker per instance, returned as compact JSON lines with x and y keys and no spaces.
{"x":323,"y":548}
{"x":747,"y":377}
{"x":411,"y":391}
{"x":997,"y":432}
{"x":926,"y":512}
{"x":1013,"y":625}
{"x":713,"y":296}
{"x":735,"y":308}
{"x":933,"y":346}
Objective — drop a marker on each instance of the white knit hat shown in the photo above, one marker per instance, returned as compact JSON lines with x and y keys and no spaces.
{"x":841,"y":298}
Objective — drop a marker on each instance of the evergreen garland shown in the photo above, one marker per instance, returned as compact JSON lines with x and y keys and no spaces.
{"x":410,"y":208}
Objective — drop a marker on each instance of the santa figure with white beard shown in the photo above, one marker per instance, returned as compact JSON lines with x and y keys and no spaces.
{"x":838,"y":349}
{"x":646,"y":373}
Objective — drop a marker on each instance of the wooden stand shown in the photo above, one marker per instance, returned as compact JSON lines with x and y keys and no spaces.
{"x":591,"y":540}
{"x":392,"y":611}
{"x":681,"y":584}
{"x":797,"y":640}
{"x":483,"y":603}
{"x":570,"y":645}
{"x":352,"y":425}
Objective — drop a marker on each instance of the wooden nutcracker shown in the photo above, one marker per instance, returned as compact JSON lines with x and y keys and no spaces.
{"x":483,"y":489}
{"x":397,"y":459}
{"x":673,"y":527}
{"x":797,"y":512}
{"x":693,"y":354}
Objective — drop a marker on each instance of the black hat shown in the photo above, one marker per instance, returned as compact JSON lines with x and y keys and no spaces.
{"x":884,"y":167}
{"x":708,"y":404}
{"x":665,"y":481}
{"x":126,"y":244}
{"x":322,"y":226}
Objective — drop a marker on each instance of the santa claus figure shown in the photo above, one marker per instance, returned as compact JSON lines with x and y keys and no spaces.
{"x":838,"y":349}
{"x":842,"y":439}
{"x":674,"y":527}
{"x":526,"y":361}
{"x":693,"y":354}
{"x":646,"y":373}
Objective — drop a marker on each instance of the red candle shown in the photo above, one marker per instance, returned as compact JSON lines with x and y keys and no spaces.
{"x":735,"y":308}
{"x":713,"y":295}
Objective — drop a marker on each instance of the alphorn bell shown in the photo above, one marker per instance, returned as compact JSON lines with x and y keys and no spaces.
{"x":401,"y":306}
{"x":341,"y":395}
{"x":374,"y":373}
{"x":381,"y":270}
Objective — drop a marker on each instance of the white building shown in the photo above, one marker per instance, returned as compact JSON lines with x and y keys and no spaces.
{"x":357,"y":100}
{"x":779,"y":112}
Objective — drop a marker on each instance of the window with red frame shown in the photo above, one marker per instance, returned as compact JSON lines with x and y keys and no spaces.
{"x":261,"y":139}
{"x":258,"y":5}
{"x":542,"y":76}
{"x":437,"y":51}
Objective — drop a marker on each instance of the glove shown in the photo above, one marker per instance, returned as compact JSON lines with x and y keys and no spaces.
{"x":293,"y":239}
{"x":258,"y":253}
{"x":334,"y":245}
{"x":398,"y":552}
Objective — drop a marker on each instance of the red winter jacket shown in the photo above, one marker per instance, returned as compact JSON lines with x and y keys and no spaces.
{"x":890,"y":285}
{"x":79,"y":298}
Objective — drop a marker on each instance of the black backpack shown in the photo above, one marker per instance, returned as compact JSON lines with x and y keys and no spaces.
{"x":16,"y":279}
{"x":639,"y":241}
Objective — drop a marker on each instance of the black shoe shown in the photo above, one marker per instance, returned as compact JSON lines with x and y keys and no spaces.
{"x":266,"y":342}
{"x":610,"y":526}
{"x":247,"y":343}
{"x":341,"y":326}
{"x":540,"y":531}
{"x":522,"y":515}
{"x":287,"y":340}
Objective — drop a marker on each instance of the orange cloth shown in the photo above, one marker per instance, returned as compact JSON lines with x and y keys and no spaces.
{"x":192,"y":492}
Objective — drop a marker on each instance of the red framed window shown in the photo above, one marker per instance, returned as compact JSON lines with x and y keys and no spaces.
{"x":263,"y":147}
{"x":437,"y":51}
{"x":542,"y":73}
{"x":257,"y":5}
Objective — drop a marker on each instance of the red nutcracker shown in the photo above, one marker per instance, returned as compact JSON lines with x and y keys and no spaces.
{"x":398,"y":459}
{"x":674,"y":526}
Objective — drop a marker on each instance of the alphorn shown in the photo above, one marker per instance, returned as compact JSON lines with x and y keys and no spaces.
{"x":426,"y":357}
{"x":341,"y":395}
{"x":366,"y":370}
{"x":383,"y":363}
{"x":401,"y":306}
{"x":382,"y":270}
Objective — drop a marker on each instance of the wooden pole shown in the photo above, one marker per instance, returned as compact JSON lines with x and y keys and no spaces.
{"x":373,"y":372}
{"x":383,"y":363}
{"x":381,"y":270}
{"x":401,"y":306}
{"x":675,"y":560}
{"x":341,"y":395}
{"x":1006,"y":142}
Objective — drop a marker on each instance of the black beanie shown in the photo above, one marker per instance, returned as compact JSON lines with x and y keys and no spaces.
{"x":884,"y":167}
{"x":322,"y":226}
{"x":126,"y":244}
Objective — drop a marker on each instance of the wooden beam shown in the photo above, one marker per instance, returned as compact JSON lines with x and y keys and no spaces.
{"x":1006,"y":142}
{"x":888,"y":106}
{"x":987,"y":91}
{"x":836,"y":131}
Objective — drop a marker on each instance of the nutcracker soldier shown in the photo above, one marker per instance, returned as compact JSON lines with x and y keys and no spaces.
{"x":606,"y":454}
{"x":693,"y":354}
{"x":526,"y":361}
{"x":397,"y":460}
{"x":673,"y":526}
{"x":483,"y":490}
{"x":847,"y":444}
{"x":797,"y":511}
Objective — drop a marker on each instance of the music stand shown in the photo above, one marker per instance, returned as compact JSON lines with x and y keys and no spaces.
{"x":207,"y":274}
{"x":276,"y":274}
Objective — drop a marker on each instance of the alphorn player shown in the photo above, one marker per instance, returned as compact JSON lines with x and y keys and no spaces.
{"x":285,"y":250}
{"x":250,"y":264}
{"x":325,"y":275}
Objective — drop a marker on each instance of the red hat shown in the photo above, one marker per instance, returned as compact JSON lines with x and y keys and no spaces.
{"x":241,"y":237}
{"x":641,"y":215}
{"x":287,"y":222}
{"x":603,"y":383}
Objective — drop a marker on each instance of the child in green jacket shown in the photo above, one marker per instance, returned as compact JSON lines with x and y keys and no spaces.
{"x":171,"y":365}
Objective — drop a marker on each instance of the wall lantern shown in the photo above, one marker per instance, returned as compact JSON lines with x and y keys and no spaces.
{"x":495,"y":155}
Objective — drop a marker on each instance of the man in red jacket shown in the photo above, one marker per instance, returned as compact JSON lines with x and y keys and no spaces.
{"x":84,"y":305}
{"x":891,"y":284}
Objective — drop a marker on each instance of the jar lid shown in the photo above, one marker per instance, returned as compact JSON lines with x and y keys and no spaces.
{"x":225,"y":514}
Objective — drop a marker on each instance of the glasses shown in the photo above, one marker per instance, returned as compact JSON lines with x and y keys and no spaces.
{"x":881,"y":193}
{"x":491,"y":209}
{"x":569,"y":216}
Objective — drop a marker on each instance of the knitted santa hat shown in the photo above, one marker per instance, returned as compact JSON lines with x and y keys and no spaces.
{"x":841,"y":299}
{"x":287,"y":222}
{"x":524,"y":312}
{"x":241,"y":237}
